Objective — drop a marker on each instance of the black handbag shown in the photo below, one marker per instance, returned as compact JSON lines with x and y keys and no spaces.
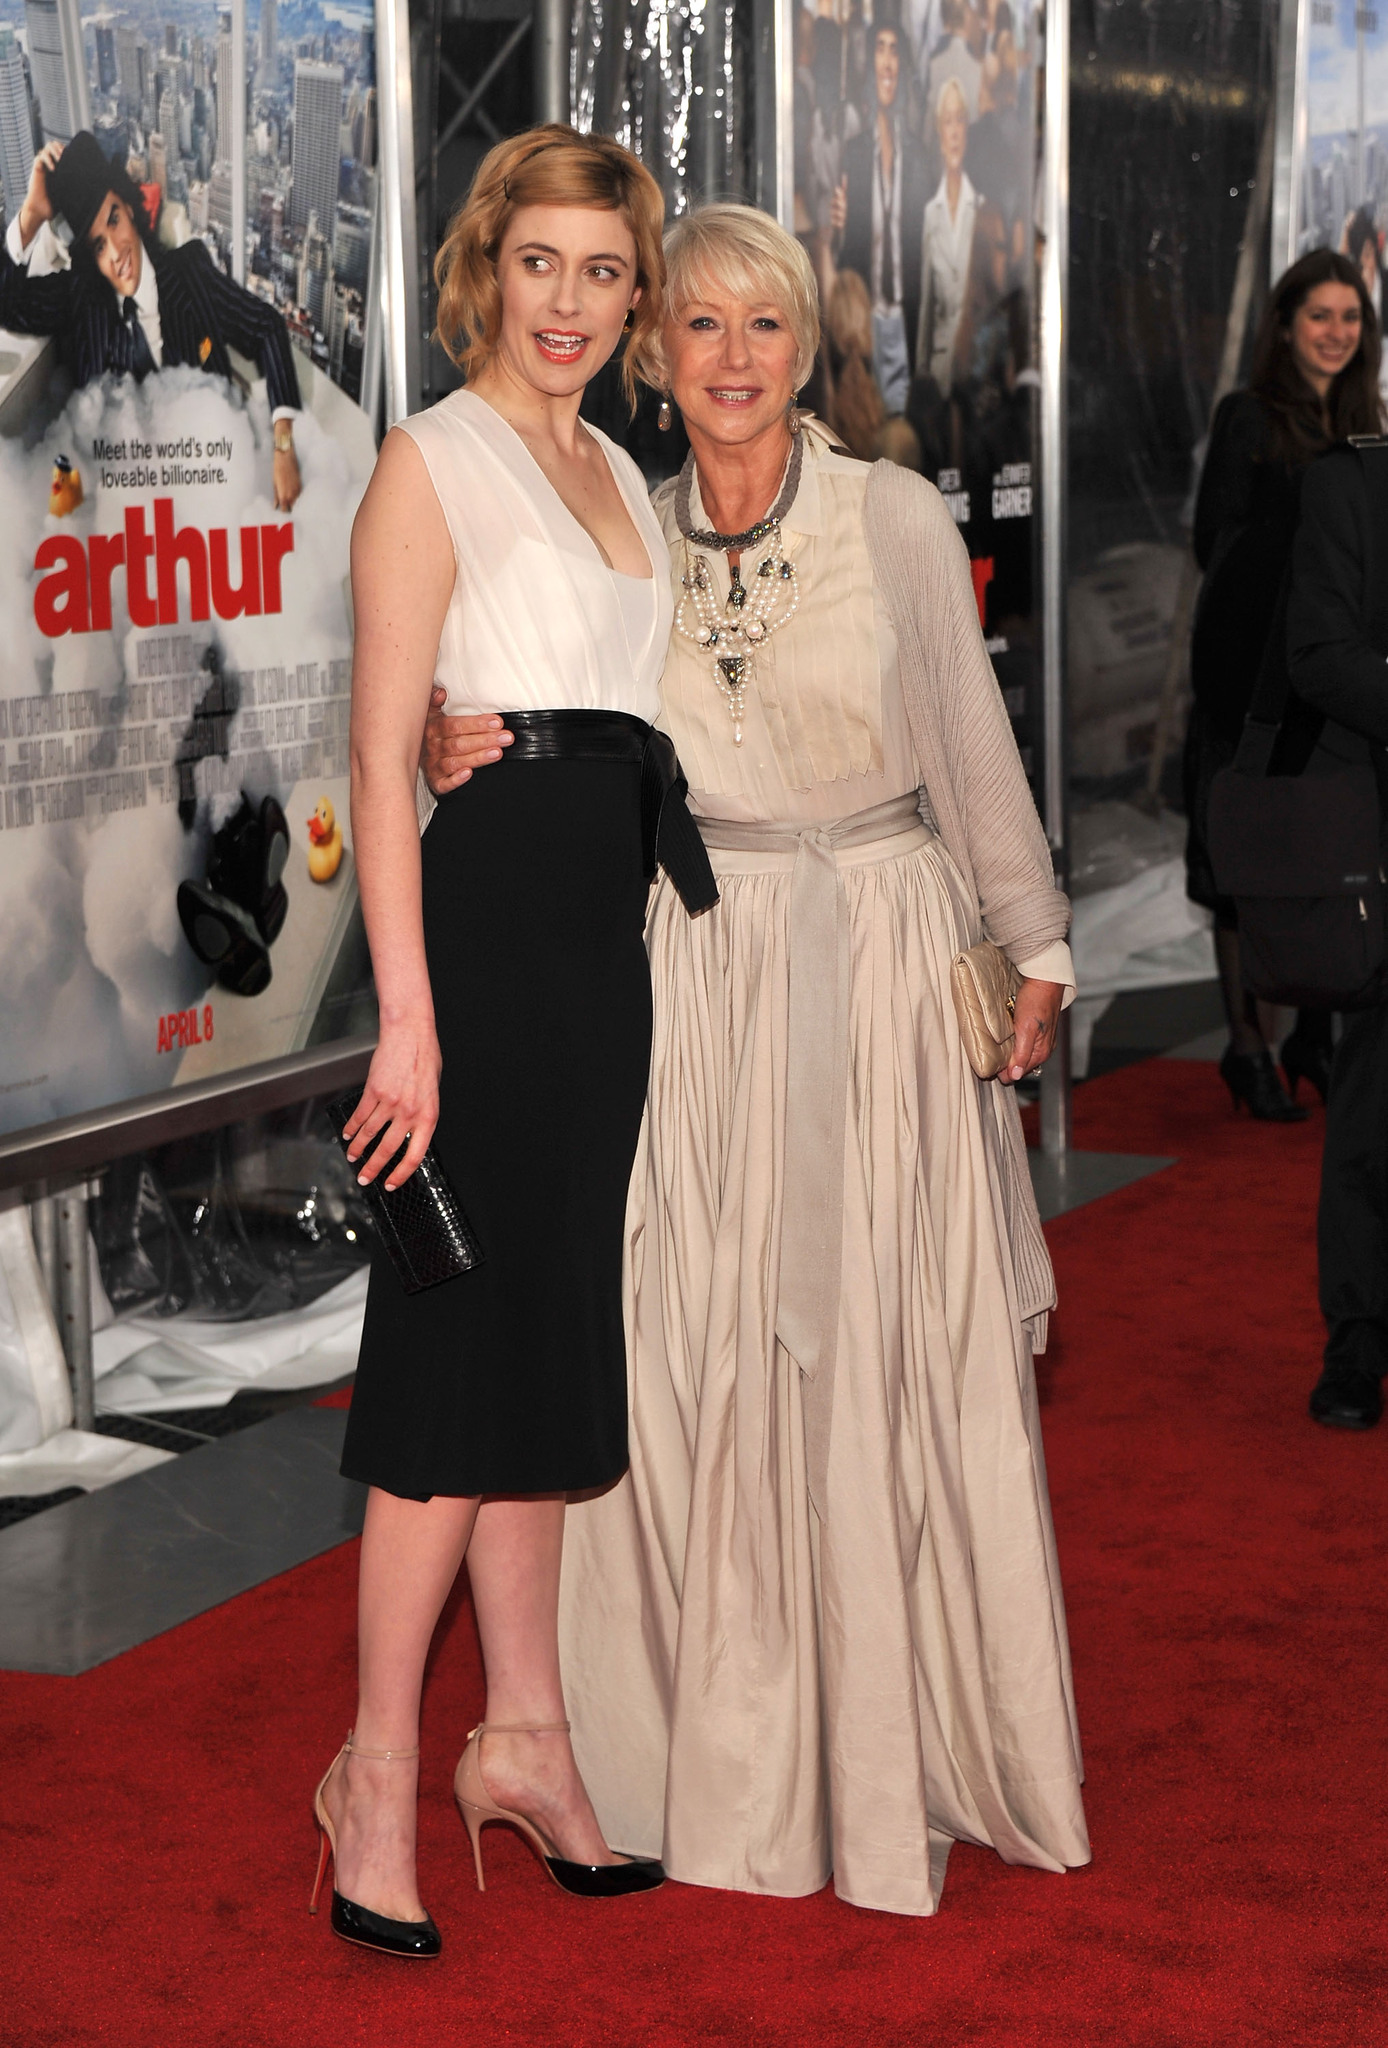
{"x":421,"y":1223}
{"x":1302,"y":855}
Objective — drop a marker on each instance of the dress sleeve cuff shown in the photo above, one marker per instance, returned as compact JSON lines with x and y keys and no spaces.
{"x":284,"y":412}
{"x":14,"y":247}
{"x":1054,"y":964}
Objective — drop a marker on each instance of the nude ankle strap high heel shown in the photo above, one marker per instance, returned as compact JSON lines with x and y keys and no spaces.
{"x":358,"y":1923}
{"x":477,"y":1807}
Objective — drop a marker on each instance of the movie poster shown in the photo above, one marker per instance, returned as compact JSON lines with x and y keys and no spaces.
{"x":915,"y":173}
{"x":1342,"y":202}
{"x":182,"y":451}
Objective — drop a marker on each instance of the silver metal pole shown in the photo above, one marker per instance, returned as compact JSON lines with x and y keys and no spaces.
{"x":375,"y":321}
{"x":774,"y":34}
{"x":395,"y":102}
{"x":1360,"y":193}
{"x":1055,"y":1100}
{"x":708,"y":67}
{"x":1290,"y":166}
{"x":1055,"y":199}
{"x":75,"y":1301}
{"x":43,"y":1221}
{"x":237,"y":153}
{"x":550,"y":56}
{"x":1055,"y":205}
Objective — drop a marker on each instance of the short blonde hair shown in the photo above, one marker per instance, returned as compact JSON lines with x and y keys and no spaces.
{"x":728,"y":248}
{"x":951,"y":90}
{"x":548,"y":166}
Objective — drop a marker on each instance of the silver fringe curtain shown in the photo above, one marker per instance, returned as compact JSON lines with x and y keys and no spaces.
{"x":668,"y":79}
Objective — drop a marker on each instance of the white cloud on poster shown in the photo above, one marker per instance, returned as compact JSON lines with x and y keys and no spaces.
{"x":59,"y":1030}
{"x":131,"y":929}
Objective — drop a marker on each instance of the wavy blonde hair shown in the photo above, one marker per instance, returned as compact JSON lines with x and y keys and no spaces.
{"x":855,"y":410}
{"x":727,"y":248}
{"x":548,"y":166}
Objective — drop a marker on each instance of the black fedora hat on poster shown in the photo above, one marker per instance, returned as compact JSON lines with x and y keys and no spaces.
{"x":81,"y":178}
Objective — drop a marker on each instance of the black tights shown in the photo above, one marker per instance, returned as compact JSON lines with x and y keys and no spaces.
{"x":1251,"y":1026}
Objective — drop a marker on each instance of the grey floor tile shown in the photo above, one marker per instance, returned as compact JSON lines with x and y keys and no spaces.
{"x":1152,"y":1020}
{"x":87,"y":1580}
{"x":1086,"y":1176}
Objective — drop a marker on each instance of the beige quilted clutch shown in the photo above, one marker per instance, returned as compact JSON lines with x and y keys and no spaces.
{"x":984,"y":984}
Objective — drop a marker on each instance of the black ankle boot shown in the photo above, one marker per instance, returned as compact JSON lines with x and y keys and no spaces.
{"x":1306,"y":1059}
{"x":1253,"y":1080}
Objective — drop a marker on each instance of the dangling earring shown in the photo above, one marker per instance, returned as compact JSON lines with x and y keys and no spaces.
{"x":792,"y":413}
{"x":665,"y":419}
{"x":630,"y":320}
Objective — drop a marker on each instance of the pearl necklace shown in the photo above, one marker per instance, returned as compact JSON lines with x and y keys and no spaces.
{"x":751,"y":614}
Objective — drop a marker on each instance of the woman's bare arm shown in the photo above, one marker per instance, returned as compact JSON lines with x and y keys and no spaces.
{"x":402,"y":581}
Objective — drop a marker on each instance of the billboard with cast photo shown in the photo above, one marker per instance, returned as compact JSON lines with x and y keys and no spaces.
{"x":185,"y":298}
{"x":915,"y":146}
{"x":1341,"y":200}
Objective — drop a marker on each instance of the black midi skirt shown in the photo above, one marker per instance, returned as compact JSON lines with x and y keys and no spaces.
{"x":512,"y":1378}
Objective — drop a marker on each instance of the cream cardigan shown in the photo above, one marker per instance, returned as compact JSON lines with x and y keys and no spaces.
{"x":974,"y":786}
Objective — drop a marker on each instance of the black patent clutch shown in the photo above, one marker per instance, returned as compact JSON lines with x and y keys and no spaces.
{"x":421,"y":1223}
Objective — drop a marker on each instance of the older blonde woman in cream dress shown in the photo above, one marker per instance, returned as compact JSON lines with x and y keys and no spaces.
{"x":819,"y":1628}
{"x":947,"y":240}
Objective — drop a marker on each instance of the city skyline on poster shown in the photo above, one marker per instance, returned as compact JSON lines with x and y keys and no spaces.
{"x":153,"y":84}
{"x":1345,"y":167}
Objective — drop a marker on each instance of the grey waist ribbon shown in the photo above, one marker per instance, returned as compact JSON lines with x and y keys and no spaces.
{"x":807,"y":1309}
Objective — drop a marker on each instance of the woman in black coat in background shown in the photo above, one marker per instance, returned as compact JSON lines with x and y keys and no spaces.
{"x":1314,"y":381}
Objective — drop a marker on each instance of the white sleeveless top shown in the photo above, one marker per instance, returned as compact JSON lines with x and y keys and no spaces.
{"x":537,"y":620}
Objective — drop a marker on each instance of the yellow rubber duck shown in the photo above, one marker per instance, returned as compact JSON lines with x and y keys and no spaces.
{"x":65,"y":488}
{"x":324,"y":842}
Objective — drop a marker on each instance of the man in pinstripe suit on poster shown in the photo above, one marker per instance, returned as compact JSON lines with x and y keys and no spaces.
{"x":129,"y":306}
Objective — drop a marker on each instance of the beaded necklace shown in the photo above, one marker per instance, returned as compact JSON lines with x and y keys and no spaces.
{"x":750,"y":615}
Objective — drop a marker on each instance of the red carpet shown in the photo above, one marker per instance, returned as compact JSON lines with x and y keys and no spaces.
{"x":1224,"y":1564}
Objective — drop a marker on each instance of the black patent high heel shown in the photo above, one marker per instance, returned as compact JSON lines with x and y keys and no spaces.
{"x":418,"y":1938}
{"x":1306,"y":1059}
{"x":585,"y":1880}
{"x":1254,"y":1082}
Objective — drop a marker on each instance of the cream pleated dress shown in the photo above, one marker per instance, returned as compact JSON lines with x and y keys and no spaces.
{"x":818,"y":1628}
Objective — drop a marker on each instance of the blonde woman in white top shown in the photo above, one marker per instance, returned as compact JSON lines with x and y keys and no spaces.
{"x":947,"y":240}
{"x":818,"y":1627}
{"x":508,"y":553}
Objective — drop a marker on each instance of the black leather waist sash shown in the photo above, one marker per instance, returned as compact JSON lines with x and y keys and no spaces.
{"x":669,"y":836}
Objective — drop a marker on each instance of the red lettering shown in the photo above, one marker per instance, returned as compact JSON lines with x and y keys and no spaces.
{"x":229,"y":603}
{"x":275,"y":543}
{"x":182,"y":1028}
{"x":107,"y":554}
{"x":163,"y":1045}
{"x":982,"y":572}
{"x":75,"y":596}
{"x":186,"y":545}
{"x":207,"y":1020}
{"x":138,"y":549}
{"x":65,"y":555}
